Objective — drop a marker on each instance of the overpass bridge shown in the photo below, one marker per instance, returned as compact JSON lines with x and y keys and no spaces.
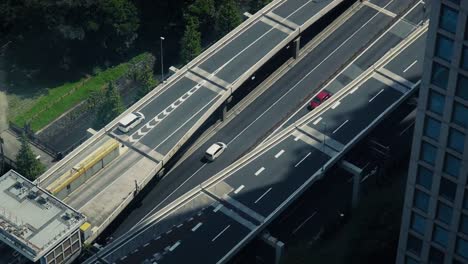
{"x":103,"y":175}
{"x":221,"y":215}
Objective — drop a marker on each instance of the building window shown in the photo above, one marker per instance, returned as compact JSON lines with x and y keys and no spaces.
{"x":456,"y":140}
{"x":428,"y":153}
{"x":440,"y":75}
{"x":444,"y":47}
{"x":440,"y":236}
{"x":462,"y":87}
{"x":460,"y":115}
{"x":424,"y":177}
{"x":464,"y":61}
{"x":432,"y":128}
{"x":447,"y":189}
{"x":421,"y":200}
{"x":436,"y":102}
{"x":410,"y":260}
{"x":444,"y":213}
{"x":464,"y":224}
{"x":448,"y":19}
{"x":436,"y":256}
{"x":418,"y":223}
{"x":462,"y":248}
{"x":414,"y":244}
{"x":452,"y":165}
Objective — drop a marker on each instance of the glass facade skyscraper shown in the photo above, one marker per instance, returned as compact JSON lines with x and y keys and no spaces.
{"x":434,"y":225}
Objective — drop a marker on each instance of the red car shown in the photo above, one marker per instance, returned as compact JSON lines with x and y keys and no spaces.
{"x":319,"y":99}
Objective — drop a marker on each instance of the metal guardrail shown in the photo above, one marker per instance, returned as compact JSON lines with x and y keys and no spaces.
{"x":191,"y":194}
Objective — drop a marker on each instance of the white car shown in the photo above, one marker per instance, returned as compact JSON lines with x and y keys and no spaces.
{"x":215,"y":150}
{"x":130,"y":121}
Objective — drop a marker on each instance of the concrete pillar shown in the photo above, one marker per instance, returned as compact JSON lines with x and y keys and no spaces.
{"x":223,"y":110}
{"x":296,"y":47}
{"x":357,"y":175}
{"x":277,"y":245}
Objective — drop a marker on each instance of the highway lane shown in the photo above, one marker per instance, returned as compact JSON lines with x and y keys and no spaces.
{"x":167,"y":126}
{"x":268,"y":109}
{"x":382,"y":45}
{"x":255,"y":180}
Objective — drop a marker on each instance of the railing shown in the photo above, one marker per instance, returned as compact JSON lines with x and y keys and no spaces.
{"x":40,"y":144}
{"x":325,"y":82}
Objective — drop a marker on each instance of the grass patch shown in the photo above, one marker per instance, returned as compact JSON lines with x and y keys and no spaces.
{"x":58,"y":100}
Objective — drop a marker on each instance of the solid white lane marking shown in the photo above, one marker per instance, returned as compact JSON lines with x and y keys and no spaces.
{"x":259,"y":171}
{"x":370,"y":100}
{"x":325,"y":59}
{"x":174,"y":246}
{"x":239,"y":189}
{"x":411,"y":65}
{"x":196,"y":227}
{"x":296,"y":85}
{"x":335,"y":105}
{"x":295,"y":166}
{"x":220,"y":233}
{"x":317,"y":120}
{"x":279,"y":154}
{"x":259,"y":198}
{"x":338,"y":128}
{"x":303,"y":223}
{"x":217,"y":208}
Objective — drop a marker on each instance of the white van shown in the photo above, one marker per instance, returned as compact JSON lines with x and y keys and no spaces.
{"x":215,"y":150}
{"x":130,"y":121}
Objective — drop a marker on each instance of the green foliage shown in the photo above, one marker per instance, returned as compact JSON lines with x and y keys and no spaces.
{"x":256,"y":5}
{"x":229,"y":17}
{"x":205,"y":12}
{"x":26,"y":162}
{"x":191,"y":41}
{"x":60,"y":99}
{"x":110,"y":107}
{"x":70,"y":31}
{"x":142,"y":72}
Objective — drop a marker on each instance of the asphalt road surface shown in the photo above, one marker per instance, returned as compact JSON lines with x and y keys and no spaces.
{"x":268,"y":109}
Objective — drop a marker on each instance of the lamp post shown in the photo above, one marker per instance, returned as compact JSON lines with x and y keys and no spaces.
{"x":162,"y":59}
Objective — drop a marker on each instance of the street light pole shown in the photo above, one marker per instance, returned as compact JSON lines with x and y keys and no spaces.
{"x":162,"y":60}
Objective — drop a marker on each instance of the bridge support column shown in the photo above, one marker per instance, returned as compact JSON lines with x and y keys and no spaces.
{"x":223,"y":110}
{"x":296,"y":47}
{"x":357,"y":175}
{"x":277,"y":245}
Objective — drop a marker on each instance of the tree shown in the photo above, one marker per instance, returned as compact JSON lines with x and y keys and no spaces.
{"x":256,"y":5}
{"x":191,"y":41}
{"x":26,"y":162}
{"x":66,"y":33}
{"x":110,"y":108}
{"x":205,"y":12}
{"x":229,"y":17}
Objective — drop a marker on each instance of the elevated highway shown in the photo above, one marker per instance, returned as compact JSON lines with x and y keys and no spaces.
{"x":174,"y":111}
{"x":357,"y":39}
{"x":213,"y":221}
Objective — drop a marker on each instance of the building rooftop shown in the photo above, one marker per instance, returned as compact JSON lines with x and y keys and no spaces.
{"x":31,"y":220}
